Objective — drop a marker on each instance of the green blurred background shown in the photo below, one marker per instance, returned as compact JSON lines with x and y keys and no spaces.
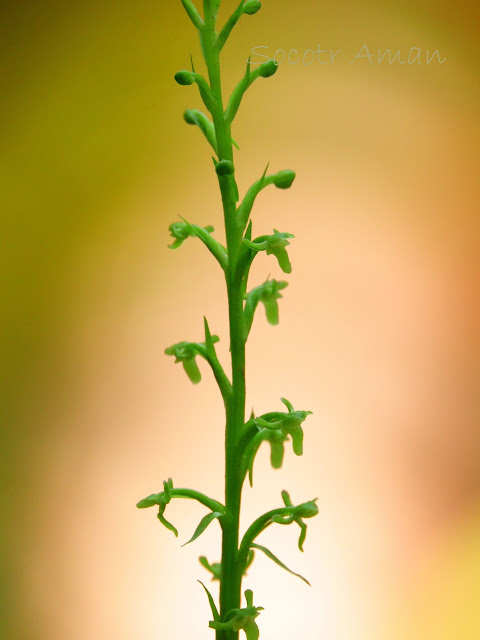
{"x":379,"y":331}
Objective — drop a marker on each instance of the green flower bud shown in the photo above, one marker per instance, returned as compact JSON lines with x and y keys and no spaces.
{"x":284,"y":179}
{"x":224,"y":168}
{"x":189,"y":116}
{"x":251,"y":7}
{"x":185,"y":77}
{"x":267,"y":69}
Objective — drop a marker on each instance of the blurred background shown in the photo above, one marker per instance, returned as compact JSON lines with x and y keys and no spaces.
{"x":379,"y":331}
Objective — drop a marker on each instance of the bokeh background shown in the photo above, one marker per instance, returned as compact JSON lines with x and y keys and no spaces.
{"x":379,"y":331}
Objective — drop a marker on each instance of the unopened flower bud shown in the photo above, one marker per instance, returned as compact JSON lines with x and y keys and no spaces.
{"x":268,"y":69}
{"x":185,"y":77}
{"x":251,"y":7}
{"x":284,"y":179}
{"x":189,"y":116}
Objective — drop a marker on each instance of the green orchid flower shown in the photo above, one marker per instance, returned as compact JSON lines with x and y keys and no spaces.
{"x":268,"y":294}
{"x":288,"y":423}
{"x":241,"y":619}
{"x":273,"y":245}
{"x":305,"y":510}
{"x":186,"y":353}
{"x":274,"y":428}
{"x":180,"y":231}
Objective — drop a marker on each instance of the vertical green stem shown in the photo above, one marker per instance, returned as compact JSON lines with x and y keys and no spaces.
{"x":230,"y":585}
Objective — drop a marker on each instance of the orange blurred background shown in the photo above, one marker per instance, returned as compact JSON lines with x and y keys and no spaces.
{"x":379,"y":332}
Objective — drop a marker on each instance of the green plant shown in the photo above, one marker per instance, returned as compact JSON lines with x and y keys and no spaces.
{"x":242,"y":439}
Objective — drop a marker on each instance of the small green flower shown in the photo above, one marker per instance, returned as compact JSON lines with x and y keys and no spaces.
{"x":269,"y":296}
{"x":186,"y":353}
{"x":215,"y":568}
{"x":274,"y":428}
{"x":160,"y":499}
{"x":305,"y":510}
{"x":289,"y":424}
{"x":241,"y":619}
{"x":180,"y":231}
{"x":273,"y":245}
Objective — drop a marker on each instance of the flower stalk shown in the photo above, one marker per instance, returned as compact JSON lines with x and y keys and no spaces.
{"x":242,"y":439}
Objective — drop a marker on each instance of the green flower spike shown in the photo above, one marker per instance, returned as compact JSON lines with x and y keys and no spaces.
{"x":273,"y":245}
{"x":241,"y":444}
{"x":186,"y":353}
{"x":305,"y":510}
{"x":241,"y":619}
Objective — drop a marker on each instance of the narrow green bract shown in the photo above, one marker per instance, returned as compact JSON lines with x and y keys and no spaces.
{"x":243,"y":438}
